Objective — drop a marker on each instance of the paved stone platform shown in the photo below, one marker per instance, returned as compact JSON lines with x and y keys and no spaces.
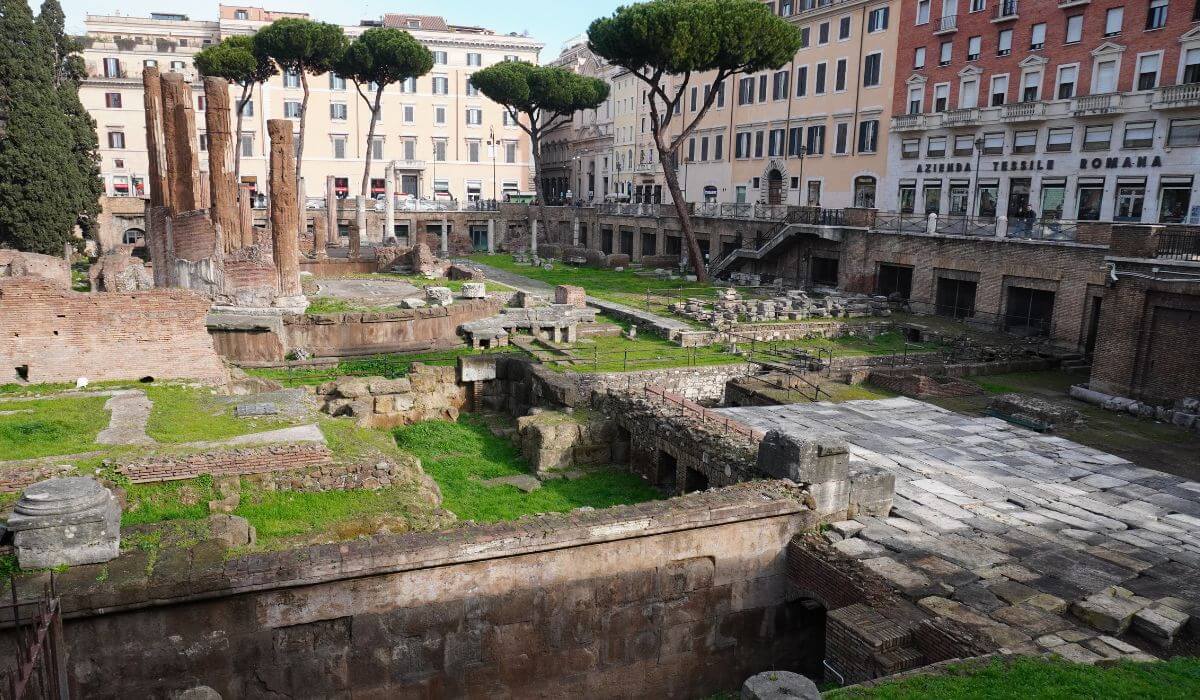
{"x":1039,"y":542}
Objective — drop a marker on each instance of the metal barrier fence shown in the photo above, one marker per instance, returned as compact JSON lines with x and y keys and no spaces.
{"x":642,"y":359}
{"x":1178,"y":245}
{"x":41,"y":650}
{"x":723,"y":423}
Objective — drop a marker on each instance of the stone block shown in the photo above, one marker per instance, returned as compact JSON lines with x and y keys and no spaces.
{"x":821,"y":459}
{"x":1160,"y":624}
{"x":830,"y":498}
{"x":848,"y":528}
{"x":476,"y":368}
{"x":249,"y":410}
{"x":352,"y":388}
{"x":439,"y":296}
{"x":378,"y":386}
{"x":69,"y":521}
{"x":474,"y":290}
{"x":232,"y":530}
{"x":570,"y":295}
{"x":871,"y":492}
{"x":1107,"y":612}
{"x":779,"y":685}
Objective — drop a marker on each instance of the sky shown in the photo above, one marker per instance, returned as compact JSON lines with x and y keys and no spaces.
{"x":550,"y":21}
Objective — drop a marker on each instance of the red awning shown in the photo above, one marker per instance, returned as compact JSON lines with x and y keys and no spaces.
{"x":121,"y":186}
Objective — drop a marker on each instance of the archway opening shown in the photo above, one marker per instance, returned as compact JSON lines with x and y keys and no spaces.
{"x":774,"y":187}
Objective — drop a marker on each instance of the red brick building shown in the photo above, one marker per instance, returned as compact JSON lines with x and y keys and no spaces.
{"x":1074,"y":109}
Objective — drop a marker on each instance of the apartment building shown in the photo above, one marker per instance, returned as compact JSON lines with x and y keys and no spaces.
{"x":1068,"y":109}
{"x":438,"y":136}
{"x":812,"y":132}
{"x":578,"y":157}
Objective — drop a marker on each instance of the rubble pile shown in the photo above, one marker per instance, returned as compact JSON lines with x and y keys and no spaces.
{"x":793,"y":305}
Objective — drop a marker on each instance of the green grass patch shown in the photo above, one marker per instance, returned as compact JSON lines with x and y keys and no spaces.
{"x":51,"y":426}
{"x":460,"y":456}
{"x":1057,"y":382}
{"x":168,"y":500}
{"x":846,"y":346}
{"x":1042,"y":678}
{"x":626,"y":287}
{"x":389,"y":366}
{"x":647,"y":351}
{"x":278,"y":515}
{"x":185,"y":414}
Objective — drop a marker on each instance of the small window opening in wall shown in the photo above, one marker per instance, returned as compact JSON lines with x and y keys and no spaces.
{"x":695,"y":481}
{"x":23,"y":373}
{"x":146,"y":380}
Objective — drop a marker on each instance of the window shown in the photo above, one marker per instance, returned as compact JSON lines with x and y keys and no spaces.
{"x":291,"y":79}
{"x":291,"y":110}
{"x":441,"y":85}
{"x":910,"y":149}
{"x":203,"y":145}
{"x":1156,"y":18}
{"x":844,"y":28}
{"x":968,"y":93}
{"x":719,"y":147}
{"x":758,"y":144}
{"x":816,"y":140}
{"x":1066,"y":82}
{"x":999,"y":90}
{"x":510,"y":151}
{"x":693,"y":104}
{"x":839,"y":80}
{"x":923,"y":11}
{"x":919,"y":57}
{"x":1147,"y":71}
{"x":241,"y":14}
{"x":916,"y":95}
{"x":746,"y":91}
{"x":112,"y":68}
{"x":1113,"y":20}
{"x":823,"y":34}
{"x":1130,"y":198}
{"x":178,"y":66}
{"x":408,"y":148}
{"x":704,"y":148}
{"x":877,"y":19}
{"x":868,"y":136}
{"x":871,"y":69}
{"x":945,"y":53}
{"x":941,"y":97}
{"x":720,"y":88}
{"x":377,"y":148}
{"x":1097,"y":138}
{"x":1139,"y":135}
{"x":439,"y":115}
{"x":1004,"y":42}
{"x":472,"y":91}
{"x":439,"y":150}
{"x":779,"y":90}
{"x":439,"y":58}
{"x":801,"y":81}
{"x":246,"y":145}
{"x":1191,"y":65}
{"x":473,"y":151}
{"x":149,"y":63}
{"x":409,"y":113}
{"x":1106,"y":77}
{"x":336,"y":82}
{"x":339,"y":147}
{"x":1031,"y":86}
{"x":935,"y":147}
{"x":974,"y":46}
{"x":993,"y":143}
{"x":841,"y":138}
{"x":1184,"y":132}
{"x":1175,"y":199}
{"x":1059,"y":140}
{"x":776,"y":145}
{"x":1037,"y":38}
{"x":1091,"y":198}
{"x":408,"y":85}
{"x":819,"y":88}
{"x":1074,"y":29}
{"x":804,"y":36}
{"x":112,"y":100}
{"x":1024,"y":142}
{"x":474,"y":116}
{"x":337,"y":110}
{"x":474,"y":59}
{"x":741,"y":145}
{"x":201,"y":103}
{"x":762,"y":91}
{"x":116,"y":139}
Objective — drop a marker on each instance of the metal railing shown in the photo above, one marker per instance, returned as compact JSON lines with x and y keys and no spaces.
{"x":980,"y":226}
{"x":640,"y":359}
{"x":723,"y":423}
{"x":1043,"y":229}
{"x":1178,"y":245}
{"x":947,"y":23}
{"x":1006,"y":9}
{"x":895,"y":222}
{"x":41,"y":650}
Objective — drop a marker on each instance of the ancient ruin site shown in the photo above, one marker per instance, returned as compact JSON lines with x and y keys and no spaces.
{"x":264,"y":437}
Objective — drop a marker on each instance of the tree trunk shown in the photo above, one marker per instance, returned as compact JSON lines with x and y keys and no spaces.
{"x":535,"y":150}
{"x":302,"y":226}
{"x":366,"y":178}
{"x":685,"y":219}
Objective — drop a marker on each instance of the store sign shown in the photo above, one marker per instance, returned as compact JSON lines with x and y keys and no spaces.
{"x":1013,"y":166}
{"x":943,"y":167}
{"x":1115,"y":162}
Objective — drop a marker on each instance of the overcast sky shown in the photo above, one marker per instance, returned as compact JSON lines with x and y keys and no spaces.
{"x":550,"y":21}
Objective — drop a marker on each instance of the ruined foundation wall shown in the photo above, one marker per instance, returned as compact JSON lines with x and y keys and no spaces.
{"x":54,"y":335}
{"x":682,"y":598}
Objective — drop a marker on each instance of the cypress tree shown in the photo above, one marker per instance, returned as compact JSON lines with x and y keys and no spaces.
{"x":44,"y":153}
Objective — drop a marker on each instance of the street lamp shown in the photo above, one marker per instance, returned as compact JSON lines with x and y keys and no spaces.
{"x":492,"y":148}
{"x":800,"y":153}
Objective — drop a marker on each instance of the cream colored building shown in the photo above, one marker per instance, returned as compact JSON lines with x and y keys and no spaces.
{"x":814,"y":132}
{"x":436,"y":133}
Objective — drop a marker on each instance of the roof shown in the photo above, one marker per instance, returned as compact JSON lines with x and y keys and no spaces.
{"x":432,"y":23}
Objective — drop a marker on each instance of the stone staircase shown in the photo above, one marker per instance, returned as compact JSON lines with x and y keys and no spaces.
{"x":788,"y":226}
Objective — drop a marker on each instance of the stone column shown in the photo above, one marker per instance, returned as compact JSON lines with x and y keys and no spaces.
{"x":320,"y":221}
{"x":445,"y":237}
{"x":532,"y":237}
{"x":331,"y":216}
{"x":389,"y":204}
{"x":160,"y":193}
{"x":575,"y":230}
{"x":221,"y":177}
{"x":491,"y":241}
{"x":246,"y":218}
{"x":360,"y":226}
{"x":183,"y":165}
{"x":284,"y":216}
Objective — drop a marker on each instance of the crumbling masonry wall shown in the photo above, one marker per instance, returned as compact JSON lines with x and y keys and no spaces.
{"x":48,"y":334}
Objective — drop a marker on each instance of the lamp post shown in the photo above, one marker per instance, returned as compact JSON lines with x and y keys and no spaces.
{"x":975,"y":189}
{"x":800,"y":153}
{"x":492,"y":146}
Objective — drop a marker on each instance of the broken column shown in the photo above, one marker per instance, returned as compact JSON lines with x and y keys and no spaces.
{"x":320,"y":222}
{"x":445,"y":237}
{"x":179,"y":126}
{"x":156,"y":225}
{"x":246,"y":217}
{"x":532,"y":237}
{"x":389,"y":204}
{"x":360,"y":226}
{"x":223,"y":186}
{"x":331,"y":212}
{"x":70,"y":521}
{"x":284,"y":217}
{"x":491,"y":236}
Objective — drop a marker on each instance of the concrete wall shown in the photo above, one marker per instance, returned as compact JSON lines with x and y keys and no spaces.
{"x":681,"y":598}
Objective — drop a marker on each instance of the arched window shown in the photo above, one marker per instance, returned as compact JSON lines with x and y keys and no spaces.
{"x":133,"y":236}
{"x":864,"y":192}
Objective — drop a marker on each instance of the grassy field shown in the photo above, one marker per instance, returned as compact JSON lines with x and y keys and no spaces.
{"x":319,"y":305}
{"x":390,"y":366}
{"x":460,"y":456}
{"x":1036,"y":678}
{"x":183,"y":414}
{"x":647,"y":351}
{"x":50,"y":426}
{"x":847,"y":346}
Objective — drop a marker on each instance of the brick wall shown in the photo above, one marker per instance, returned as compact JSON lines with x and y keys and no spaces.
{"x":226,"y":462}
{"x":14,"y":263}
{"x":53,"y":335}
{"x":193,"y":235}
{"x":679,"y":598}
{"x":921,"y":386}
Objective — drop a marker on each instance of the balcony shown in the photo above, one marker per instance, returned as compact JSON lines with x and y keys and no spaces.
{"x":1095,"y":105}
{"x":1024,"y":112}
{"x":908,"y":122}
{"x":947,"y":24}
{"x":1006,"y":11}
{"x":1177,"y":96}
{"x":961,"y":117}
{"x":408,"y":164}
{"x":1068,"y":4}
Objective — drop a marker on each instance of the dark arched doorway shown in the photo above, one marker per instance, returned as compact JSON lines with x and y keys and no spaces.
{"x":774,"y":187}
